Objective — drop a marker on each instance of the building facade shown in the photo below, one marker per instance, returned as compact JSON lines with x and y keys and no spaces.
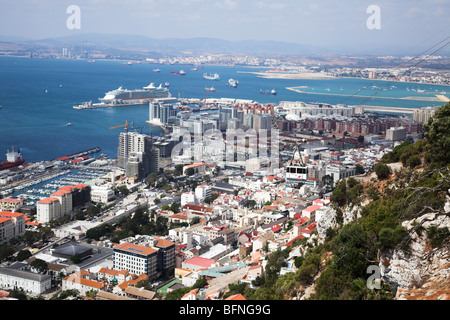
{"x":136,"y":259}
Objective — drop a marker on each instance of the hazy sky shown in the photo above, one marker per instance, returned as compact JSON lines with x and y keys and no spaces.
{"x":408,"y":23}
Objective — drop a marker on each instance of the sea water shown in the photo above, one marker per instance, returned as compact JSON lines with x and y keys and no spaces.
{"x":37,"y":98}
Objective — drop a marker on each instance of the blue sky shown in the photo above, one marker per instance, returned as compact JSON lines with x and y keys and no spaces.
{"x":313,"y":22}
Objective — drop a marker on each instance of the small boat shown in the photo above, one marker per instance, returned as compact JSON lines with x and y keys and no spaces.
{"x":210,"y":89}
{"x":233,"y":83}
{"x":166,"y":84}
{"x":69,"y":124}
{"x":156,"y":70}
{"x":272,"y":92}
{"x":194,"y":69}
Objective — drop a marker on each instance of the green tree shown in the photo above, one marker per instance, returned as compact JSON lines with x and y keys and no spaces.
{"x":23,"y":255}
{"x":75,"y":258}
{"x":382,"y":171}
{"x":200,"y":283}
{"x":177,"y":294}
{"x":350,"y":248}
{"x":6,"y":251}
{"x":360,"y":169}
{"x":413,"y":161}
{"x":437,"y":136}
{"x":189,"y":172}
{"x":18,"y":293}
{"x":151,"y":178}
{"x":40,"y":265}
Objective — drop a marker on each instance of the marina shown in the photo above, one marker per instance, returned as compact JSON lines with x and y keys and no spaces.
{"x":44,"y":186}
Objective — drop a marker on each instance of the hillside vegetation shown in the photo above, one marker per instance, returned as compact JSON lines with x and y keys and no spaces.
{"x":336,"y":268}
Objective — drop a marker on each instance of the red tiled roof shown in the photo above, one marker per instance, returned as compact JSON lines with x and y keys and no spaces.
{"x":236,"y":297}
{"x":48,"y":200}
{"x":202,"y":262}
{"x":11,"y":214}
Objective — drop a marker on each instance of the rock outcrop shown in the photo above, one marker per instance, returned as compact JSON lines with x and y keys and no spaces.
{"x":421,"y":272}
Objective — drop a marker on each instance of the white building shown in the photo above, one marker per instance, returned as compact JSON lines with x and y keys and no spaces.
{"x":187,"y":197}
{"x":16,"y":277}
{"x":202,"y":191}
{"x":101,"y":194}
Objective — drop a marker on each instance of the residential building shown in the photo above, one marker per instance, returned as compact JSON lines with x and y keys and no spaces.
{"x":48,"y":209}
{"x":18,"y":223}
{"x":136,"y":259}
{"x":11,"y":204}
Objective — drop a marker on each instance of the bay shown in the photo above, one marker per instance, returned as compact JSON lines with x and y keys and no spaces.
{"x":37,"y":98}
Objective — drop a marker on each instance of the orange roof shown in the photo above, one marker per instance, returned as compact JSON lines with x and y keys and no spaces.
{"x":313,"y":208}
{"x":3,"y":219}
{"x":111,"y":272}
{"x":178,"y":216}
{"x":195,"y":165}
{"x":60,"y":193}
{"x":135,"y":248}
{"x":236,"y":297}
{"x":164,"y":243}
{"x":11,"y":200}
{"x":48,"y":200}
{"x":11,"y":214}
{"x":81,"y":186}
{"x":91,"y":283}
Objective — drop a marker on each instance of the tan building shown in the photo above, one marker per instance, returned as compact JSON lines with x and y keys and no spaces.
{"x":48,"y":209}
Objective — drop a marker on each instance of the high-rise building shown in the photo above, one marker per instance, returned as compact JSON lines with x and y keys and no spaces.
{"x":136,"y":155}
{"x":225,"y":114}
{"x":422,"y":115}
{"x":262,"y":122}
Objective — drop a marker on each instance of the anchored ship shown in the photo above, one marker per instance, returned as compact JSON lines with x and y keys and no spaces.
{"x":272,"y":92}
{"x":13,"y":159}
{"x":211,"y":76}
{"x":179,"y":73}
{"x":125,"y":96}
{"x":233,"y":83}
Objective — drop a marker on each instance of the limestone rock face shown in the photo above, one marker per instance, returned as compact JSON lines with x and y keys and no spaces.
{"x":328,"y":220}
{"x":422,"y":272}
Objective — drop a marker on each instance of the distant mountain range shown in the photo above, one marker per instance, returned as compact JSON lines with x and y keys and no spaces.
{"x":156,"y":47}
{"x":144,"y":46}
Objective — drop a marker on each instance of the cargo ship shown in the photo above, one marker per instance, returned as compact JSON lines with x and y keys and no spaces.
{"x":179,"y":73}
{"x":214,"y":76}
{"x":13,"y":159}
{"x":272,"y":92}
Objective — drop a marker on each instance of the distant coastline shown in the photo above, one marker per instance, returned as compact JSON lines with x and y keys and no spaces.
{"x":293,"y":76}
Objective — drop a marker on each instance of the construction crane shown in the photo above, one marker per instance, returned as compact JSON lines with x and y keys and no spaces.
{"x":126,"y":125}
